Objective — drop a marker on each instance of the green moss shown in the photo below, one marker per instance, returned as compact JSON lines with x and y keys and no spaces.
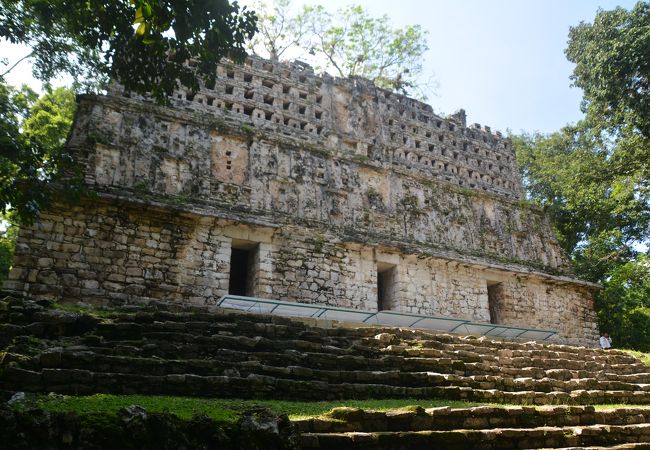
{"x":363,"y":159}
{"x":216,"y":123}
{"x":373,"y":194}
{"x":318,"y":151}
{"x":467,"y":192}
{"x":181,"y":199}
{"x":644,"y":357}
{"x":229,"y":410}
{"x":182,"y":407}
{"x":140,"y":186}
{"x":94,"y":311}
{"x":249,"y":130}
{"x":319,"y":242}
{"x":100,"y":137}
{"x":223,"y":410}
{"x":620,"y":405}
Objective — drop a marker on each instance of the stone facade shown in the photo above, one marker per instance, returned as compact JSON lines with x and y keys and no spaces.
{"x":332,"y":191}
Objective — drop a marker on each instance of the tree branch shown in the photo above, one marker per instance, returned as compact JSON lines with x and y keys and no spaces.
{"x":16,"y":63}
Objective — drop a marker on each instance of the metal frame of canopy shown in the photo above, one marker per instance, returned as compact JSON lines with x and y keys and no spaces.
{"x":389,"y":318}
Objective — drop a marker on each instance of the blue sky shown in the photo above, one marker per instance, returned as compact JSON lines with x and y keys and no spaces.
{"x":501,"y":60}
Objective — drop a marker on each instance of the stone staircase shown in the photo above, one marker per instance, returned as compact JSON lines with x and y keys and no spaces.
{"x":478,"y":428}
{"x":191,"y":351}
{"x":165,"y":349}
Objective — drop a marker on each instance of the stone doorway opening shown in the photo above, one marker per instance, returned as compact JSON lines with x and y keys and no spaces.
{"x":243,"y":259}
{"x":386,"y":281}
{"x":495,"y":300}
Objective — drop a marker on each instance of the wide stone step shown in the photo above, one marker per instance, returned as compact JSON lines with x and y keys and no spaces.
{"x":486,"y":345}
{"x":78,"y":381}
{"x":428,"y":347}
{"x":546,"y":360}
{"x":343,"y":420}
{"x":330,"y":358}
{"x":88,"y":360}
{"x":498,"y":438}
{"x":638,"y":446}
{"x":236,"y":342}
{"x":28,"y":312}
{"x":559,"y":374}
{"x":120,"y":330}
{"x":356,"y":357}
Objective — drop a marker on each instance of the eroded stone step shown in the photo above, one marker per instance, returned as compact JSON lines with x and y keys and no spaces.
{"x":87,"y":360}
{"x":499,"y":438}
{"x":77,"y":381}
{"x":342,"y":420}
{"x":638,"y":446}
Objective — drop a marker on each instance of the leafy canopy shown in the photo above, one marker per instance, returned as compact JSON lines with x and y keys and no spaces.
{"x":144,"y":44}
{"x":348,"y":42}
{"x":33,"y":159}
{"x":280,"y":30}
{"x":612,"y":58}
{"x":593,"y":177}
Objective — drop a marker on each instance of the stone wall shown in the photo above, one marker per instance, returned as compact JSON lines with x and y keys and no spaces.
{"x":110,"y":253}
{"x":323,"y":184}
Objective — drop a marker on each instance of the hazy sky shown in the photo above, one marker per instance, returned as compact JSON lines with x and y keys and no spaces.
{"x":501,"y":60}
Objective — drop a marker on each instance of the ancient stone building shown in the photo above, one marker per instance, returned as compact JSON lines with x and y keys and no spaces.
{"x":280,"y":184}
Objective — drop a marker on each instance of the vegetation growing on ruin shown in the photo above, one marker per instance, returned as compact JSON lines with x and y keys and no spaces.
{"x":229,"y":410}
{"x":91,"y":310}
{"x":347,"y":42}
{"x":8,"y":235}
{"x":219,"y":409}
{"x":644,"y":357}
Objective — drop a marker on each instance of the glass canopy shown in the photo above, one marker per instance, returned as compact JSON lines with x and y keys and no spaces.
{"x":388,"y":318}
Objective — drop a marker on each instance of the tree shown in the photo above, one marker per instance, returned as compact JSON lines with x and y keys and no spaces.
{"x":347,"y":43}
{"x":593,"y":177}
{"x":279,"y":29}
{"x":144,"y":44}
{"x":625,"y":303}
{"x":8,"y":235}
{"x":33,"y":162}
{"x":612,"y":58}
{"x":355,"y":44}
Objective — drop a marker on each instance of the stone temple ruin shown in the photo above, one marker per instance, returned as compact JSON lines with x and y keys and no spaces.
{"x":280,"y":184}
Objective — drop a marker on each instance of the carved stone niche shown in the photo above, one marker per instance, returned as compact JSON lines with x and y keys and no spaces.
{"x":109,"y":171}
{"x":176,"y":175}
{"x":228,"y":159}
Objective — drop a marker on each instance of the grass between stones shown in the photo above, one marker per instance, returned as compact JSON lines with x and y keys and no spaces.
{"x":95,"y":311}
{"x":228,"y":410}
{"x":225,"y":410}
{"x":644,"y":357}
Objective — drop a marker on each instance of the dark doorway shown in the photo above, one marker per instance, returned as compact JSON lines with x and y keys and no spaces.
{"x":239,"y":271}
{"x":385,"y":286}
{"x":495,"y":299}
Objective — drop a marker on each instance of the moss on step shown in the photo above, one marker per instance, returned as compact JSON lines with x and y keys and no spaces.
{"x":644,"y":357}
{"x":226,"y":410}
